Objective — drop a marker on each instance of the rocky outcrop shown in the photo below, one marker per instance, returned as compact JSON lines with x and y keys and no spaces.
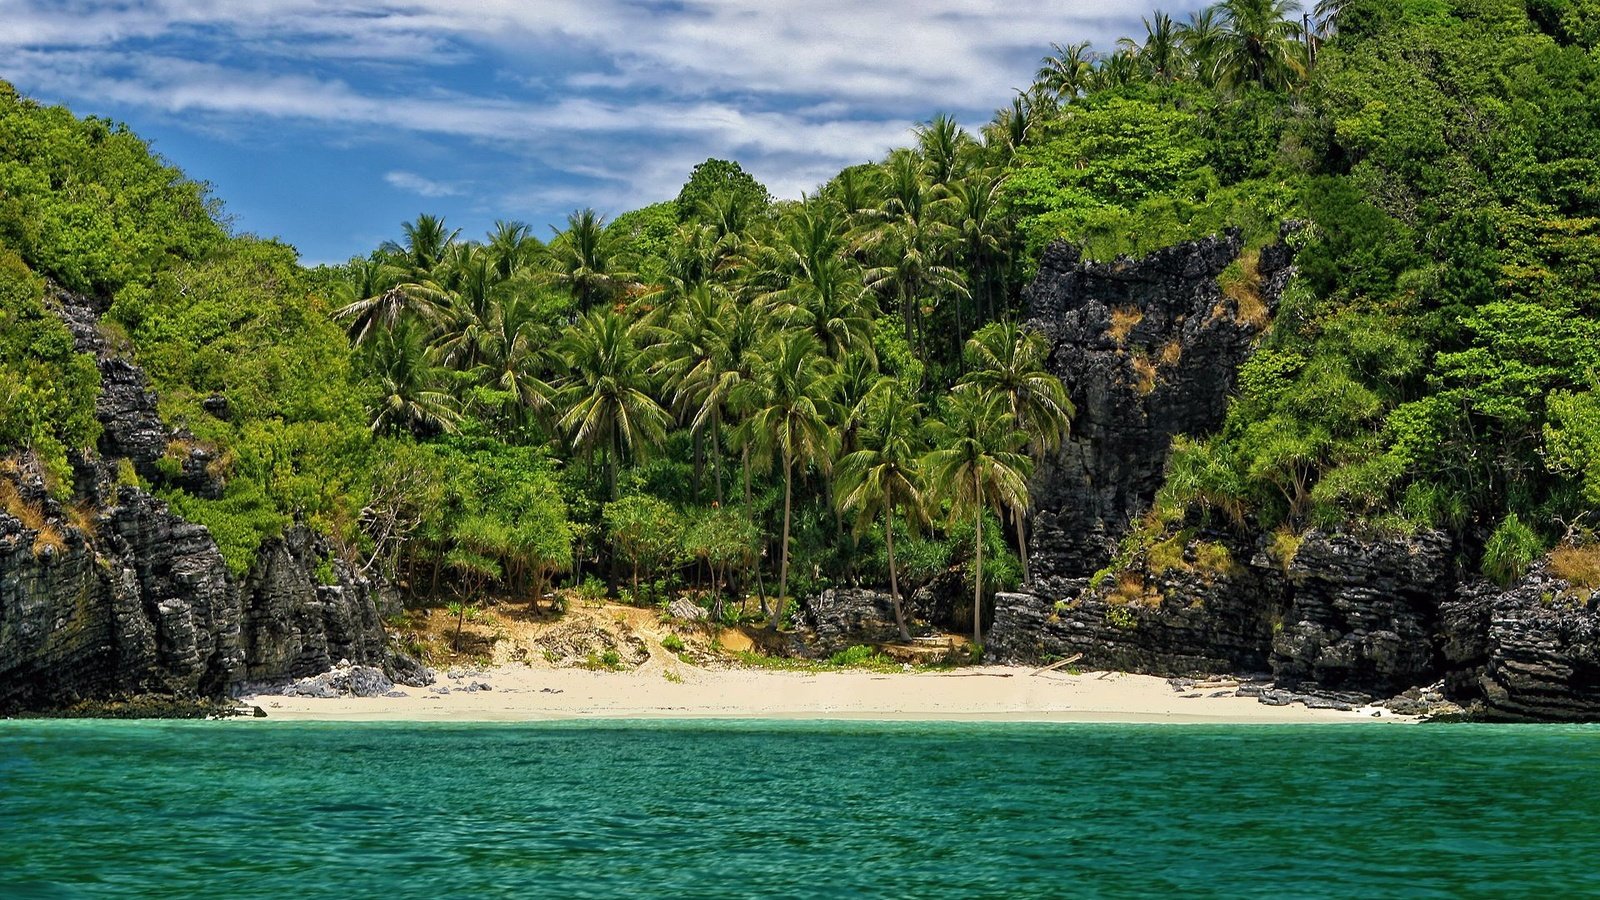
{"x":1365,"y":613}
{"x":1542,"y":646}
{"x":122,"y":597}
{"x":1148,"y":349}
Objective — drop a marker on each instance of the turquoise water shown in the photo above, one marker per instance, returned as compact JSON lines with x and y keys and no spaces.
{"x":734,"y":809}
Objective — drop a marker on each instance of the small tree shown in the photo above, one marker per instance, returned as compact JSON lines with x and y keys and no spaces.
{"x":721,"y":538}
{"x":647,"y":531}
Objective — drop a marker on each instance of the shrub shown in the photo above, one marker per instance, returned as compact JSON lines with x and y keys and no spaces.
{"x":672,"y":643}
{"x":1510,"y":551}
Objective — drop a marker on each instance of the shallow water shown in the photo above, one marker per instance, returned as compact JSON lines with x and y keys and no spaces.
{"x":800,"y":809}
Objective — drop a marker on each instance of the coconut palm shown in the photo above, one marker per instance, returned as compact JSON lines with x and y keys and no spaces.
{"x":1161,"y":54}
{"x":410,"y":396}
{"x":513,"y":355}
{"x":910,"y":242}
{"x":1259,"y":44}
{"x":611,"y":409}
{"x":426,"y":242}
{"x":584,"y":260}
{"x":790,"y":418}
{"x":983,"y":232}
{"x":978,"y":465}
{"x":512,"y":247}
{"x":1008,"y":362}
{"x":1201,"y":38}
{"x":1065,"y":74}
{"x":885,"y":477}
{"x":945,"y":148}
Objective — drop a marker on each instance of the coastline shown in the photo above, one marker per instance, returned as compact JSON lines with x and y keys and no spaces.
{"x":989,"y":693}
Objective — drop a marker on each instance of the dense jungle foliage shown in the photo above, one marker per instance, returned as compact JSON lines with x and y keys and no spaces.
{"x":765,"y":397}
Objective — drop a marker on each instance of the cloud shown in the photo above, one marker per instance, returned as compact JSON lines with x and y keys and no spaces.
{"x":416,"y":184}
{"x":619,"y":98}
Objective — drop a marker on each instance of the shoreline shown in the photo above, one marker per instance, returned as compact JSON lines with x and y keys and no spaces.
{"x":523,"y":693}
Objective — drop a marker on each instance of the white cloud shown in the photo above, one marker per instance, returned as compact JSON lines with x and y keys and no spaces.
{"x":416,"y":184}
{"x":617,"y":97}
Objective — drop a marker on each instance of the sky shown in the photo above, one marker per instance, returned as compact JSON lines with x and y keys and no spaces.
{"x":327,"y":123}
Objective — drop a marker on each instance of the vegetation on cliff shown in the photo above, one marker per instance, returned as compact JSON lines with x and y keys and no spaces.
{"x":713,"y":389}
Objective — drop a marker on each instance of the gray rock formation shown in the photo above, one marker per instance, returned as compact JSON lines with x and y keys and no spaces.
{"x":1148,"y":349}
{"x":1542,"y":651}
{"x":138,"y":601}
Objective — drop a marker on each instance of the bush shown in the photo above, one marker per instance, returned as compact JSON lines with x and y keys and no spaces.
{"x":1510,"y":551}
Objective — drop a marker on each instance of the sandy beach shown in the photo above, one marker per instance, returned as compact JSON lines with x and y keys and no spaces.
{"x":990,"y":693}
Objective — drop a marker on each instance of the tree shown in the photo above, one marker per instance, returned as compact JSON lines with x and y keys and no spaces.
{"x":608,"y":382}
{"x":584,"y":260}
{"x":1066,"y":73}
{"x":410,"y":397}
{"x":721,"y":176}
{"x":1007,"y":361}
{"x":884,"y":477}
{"x":909,"y":243}
{"x":1259,"y":44}
{"x":977,"y":464}
{"x":648,"y":531}
{"x":789,"y":417}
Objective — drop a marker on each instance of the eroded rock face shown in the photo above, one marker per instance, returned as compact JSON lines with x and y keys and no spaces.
{"x":1185,"y":620}
{"x":138,"y":601}
{"x":1148,"y":349}
{"x":1543,"y":652}
{"x":1365,"y":614}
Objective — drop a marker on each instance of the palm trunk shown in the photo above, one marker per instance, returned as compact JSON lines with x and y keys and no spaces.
{"x":783,"y":567}
{"x":1022,"y":547}
{"x":894,"y":584}
{"x":750,"y":517}
{"x":977,"y":581}
{"x":716,"y":450}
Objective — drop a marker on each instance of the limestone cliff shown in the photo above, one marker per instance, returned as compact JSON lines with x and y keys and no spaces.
{"x":1149,"y":349}
{"x":121,"y":597}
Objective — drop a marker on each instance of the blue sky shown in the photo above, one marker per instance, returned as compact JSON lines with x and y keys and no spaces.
{"x":327,"y":123}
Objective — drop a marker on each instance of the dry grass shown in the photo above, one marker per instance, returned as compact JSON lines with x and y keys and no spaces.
{"x":1241,"y":283}
{"x":1123,"y":321}
{"x":1171,"y":352}
{"x":1131,"y":590}
{"x":32,"y":517}
{"x":1285,"y":544}
{"x":1145,"y":369}
{"x":1578,"y":566}
{"x":81,"y":515}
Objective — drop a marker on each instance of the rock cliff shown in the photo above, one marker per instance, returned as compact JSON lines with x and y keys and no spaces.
{"x":121,"y":597}
{"x":1149,"y":349}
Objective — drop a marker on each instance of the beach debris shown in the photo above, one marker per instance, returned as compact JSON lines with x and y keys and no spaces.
{"x":1057,"y":664}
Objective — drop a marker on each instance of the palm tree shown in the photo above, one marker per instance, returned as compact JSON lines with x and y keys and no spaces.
{"x":1008,"y":362}
{"x":885,"y":476}
{"x":1161,"y":54}
{"x":513,"y":354}
{"x":1201,"y":38}
{"x":833,"y":305}
{"x":910,"y":241}
{"x":1065,"y":74}
{"x":585,"y":261}
{"x":944,"y":146}
{"x":612,"y":410}
{"x":512,"y":247}
{"x":410,"y":397}
{"x":978,"y":464}
{"x":426,"y":243}
{"x":1259,"y":44}
{"x":791,"y":418}
{"x":983,"y":232}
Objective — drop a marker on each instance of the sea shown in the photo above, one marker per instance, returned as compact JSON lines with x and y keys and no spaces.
{"x":746,"y":808}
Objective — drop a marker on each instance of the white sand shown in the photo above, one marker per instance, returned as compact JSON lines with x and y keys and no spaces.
{"x":991,"y":693}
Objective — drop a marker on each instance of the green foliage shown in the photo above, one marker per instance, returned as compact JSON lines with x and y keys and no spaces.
{"x":47,"y":389}
{"x":1511,"y":550}
{"x":646,"y":531}
{"x":724,"y":177}
{"x":85,"y":202}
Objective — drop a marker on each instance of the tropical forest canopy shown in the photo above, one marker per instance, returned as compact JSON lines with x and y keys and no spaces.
{"x":771,"y":397}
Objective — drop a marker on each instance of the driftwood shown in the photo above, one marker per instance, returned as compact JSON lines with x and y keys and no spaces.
{"x":1058,"y":664}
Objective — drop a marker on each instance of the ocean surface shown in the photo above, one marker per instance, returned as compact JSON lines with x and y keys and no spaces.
{"x":802,"y":809}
